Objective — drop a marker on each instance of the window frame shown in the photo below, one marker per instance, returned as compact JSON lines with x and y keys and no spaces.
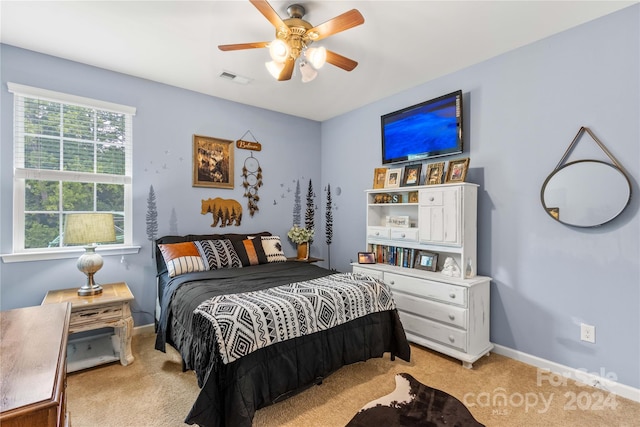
{"x":21,"y":174}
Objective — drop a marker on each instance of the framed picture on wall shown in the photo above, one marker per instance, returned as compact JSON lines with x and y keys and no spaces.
{"x":457,"y":171}
{"x":435,"y":171}
{"x":393,"y":178}
{"x":412,"y":175}
{"x":379,"y":176}
{"x":212,"y":162}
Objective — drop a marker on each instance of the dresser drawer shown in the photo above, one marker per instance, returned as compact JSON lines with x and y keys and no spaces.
{"x":378,"y":232}
{"x":446,"y":313}
{"x":431,"y":198}
{"x":444,"y":292}
{"x":368,"y":272}
{"x":406,"y":234}
{"x":434,"y":331}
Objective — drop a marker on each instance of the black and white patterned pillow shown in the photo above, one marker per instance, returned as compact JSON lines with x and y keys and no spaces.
{"x":218,"y":253}
{"x":273,"y":249}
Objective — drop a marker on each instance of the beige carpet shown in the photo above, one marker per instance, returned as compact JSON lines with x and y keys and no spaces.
{"x":154,"y":392}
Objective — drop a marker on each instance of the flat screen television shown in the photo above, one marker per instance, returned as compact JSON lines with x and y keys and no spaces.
{"x":432,"y":128}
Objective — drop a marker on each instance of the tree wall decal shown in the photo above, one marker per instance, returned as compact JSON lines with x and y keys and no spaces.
{"x":309,"y":215}
{"x":152,"y":217}
{"x":297,"y":207}
{"x":329,"y":224}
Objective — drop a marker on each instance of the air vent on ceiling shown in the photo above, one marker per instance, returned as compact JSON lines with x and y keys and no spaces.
{"x":227,"y":75}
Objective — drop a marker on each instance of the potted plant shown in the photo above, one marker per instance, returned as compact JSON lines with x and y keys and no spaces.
{"x":301,"y":237}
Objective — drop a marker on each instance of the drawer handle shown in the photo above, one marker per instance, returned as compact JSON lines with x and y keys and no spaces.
{"x":431,"y":199}
{"x":451,"y":338}
{"x":452,"y":295}
{"x":377,"y":233}
{"x":403,"y":235}
{"x":452,"y":317}
{"x":393,"y":282}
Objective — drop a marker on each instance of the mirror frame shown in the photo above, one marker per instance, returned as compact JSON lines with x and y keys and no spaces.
{"x":557,"y":170}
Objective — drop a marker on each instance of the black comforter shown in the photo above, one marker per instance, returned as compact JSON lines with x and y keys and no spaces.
{"x":231,"y":393}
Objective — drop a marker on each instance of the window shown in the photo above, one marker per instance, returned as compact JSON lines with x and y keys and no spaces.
{"x":71,"y":155}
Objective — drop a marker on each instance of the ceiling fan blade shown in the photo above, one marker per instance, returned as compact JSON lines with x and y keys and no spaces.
{"x":347,"y":20}
{"x":240,"y":46}
{"x":341,"y":61}
{"x":272,"y":16}
{"x":287,"y":71}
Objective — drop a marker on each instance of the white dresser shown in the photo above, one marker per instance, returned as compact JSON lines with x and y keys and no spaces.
{"x":449,"y":314}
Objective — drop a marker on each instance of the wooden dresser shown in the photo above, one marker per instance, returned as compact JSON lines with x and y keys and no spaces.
{"x":33,"y":345}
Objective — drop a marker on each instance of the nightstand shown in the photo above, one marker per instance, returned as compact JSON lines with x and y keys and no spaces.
{"x":110,"y":309}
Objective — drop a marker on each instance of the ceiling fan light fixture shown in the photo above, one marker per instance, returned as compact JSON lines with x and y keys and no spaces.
{"x":317,"y":56}
{"x":307,"y":72}
{"x":275,"y":68}
{"x":279,"y":50}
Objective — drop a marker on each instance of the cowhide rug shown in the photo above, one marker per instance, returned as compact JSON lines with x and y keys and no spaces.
{"x":414,"y":404}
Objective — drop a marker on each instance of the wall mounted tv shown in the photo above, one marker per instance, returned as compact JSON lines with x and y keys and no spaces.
{"x":430,"y":129}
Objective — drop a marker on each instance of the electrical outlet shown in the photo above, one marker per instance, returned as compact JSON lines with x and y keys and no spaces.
{"x":587,"y":333}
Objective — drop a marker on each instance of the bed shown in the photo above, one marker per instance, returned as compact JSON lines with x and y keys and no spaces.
{"x":256,"y":328}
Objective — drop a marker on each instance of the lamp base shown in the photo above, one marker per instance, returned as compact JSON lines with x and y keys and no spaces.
{"x":88,"y":291}
{"x":90,"y":288}
{"x":89,"y":263}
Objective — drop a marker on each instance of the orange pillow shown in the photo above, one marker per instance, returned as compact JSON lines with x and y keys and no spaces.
{"x":182,"y":258}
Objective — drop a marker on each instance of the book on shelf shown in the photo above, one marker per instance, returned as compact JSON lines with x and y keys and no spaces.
{"x":394,"y":255}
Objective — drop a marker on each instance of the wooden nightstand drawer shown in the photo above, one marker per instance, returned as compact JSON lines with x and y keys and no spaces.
{"x":86,"y":317}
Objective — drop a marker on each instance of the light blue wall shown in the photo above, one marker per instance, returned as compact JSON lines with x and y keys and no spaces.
{"x":522,"y":110}
{"x":166,"y":119}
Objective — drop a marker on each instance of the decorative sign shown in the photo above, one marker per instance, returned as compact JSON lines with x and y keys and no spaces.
{"x":248,"y":145}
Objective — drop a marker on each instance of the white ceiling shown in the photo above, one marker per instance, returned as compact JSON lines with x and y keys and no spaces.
{"x":401,"y":44}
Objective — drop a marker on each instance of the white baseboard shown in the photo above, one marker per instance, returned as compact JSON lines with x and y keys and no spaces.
{"x":593,"y":379}
{"x":144,"y":329}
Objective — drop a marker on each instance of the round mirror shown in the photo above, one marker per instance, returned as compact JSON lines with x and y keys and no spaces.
{"x":586,"y":193}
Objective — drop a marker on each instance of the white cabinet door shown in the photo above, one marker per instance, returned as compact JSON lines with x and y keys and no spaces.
{"x":439,"y":215}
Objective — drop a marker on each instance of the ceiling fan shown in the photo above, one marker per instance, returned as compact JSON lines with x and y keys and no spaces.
{"x":294,"y":36}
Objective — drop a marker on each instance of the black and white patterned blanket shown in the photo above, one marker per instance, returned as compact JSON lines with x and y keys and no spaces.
{"x":246,"y":322}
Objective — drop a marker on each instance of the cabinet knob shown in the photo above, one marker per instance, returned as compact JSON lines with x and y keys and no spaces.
{"x":404,"y":235}
{"x":452,"y":295}
{"x":451,"y":338}
{"x":393,"y":282}
{"x":377,"y":233}
{"x":452,"y":317}
{"x":431,"y":199}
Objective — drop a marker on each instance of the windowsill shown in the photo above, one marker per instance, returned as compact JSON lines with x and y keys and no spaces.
{"x":67,"y":253}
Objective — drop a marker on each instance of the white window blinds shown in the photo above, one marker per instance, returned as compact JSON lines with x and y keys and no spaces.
{"x":71,"y":154}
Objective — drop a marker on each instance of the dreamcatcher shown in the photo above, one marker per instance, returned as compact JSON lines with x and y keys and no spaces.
{"x":251,"y":173}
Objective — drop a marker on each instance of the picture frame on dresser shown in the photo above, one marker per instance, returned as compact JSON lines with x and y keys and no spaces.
{"x":393,"y":177}
{"x":412,"y":175}
{"x":379,"y":177}
{"x":457,"y":171}
{"x":434,"y":174}
{"x":426,"y":261}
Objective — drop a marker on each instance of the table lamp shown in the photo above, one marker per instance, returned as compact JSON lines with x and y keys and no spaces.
{"x":88,"y":229}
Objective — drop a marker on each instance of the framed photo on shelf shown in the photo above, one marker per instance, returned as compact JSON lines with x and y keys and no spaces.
{"x":379,"y":177}
{"x":212,"y":162}
{"x":457,"y":171}
{"x":393,"y":177}
{"x":366,"y":258}
{"x":435,"y":171}
{"x":411,"y":175}
{"x":426,"y":261}
{"x":413,"y":197}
